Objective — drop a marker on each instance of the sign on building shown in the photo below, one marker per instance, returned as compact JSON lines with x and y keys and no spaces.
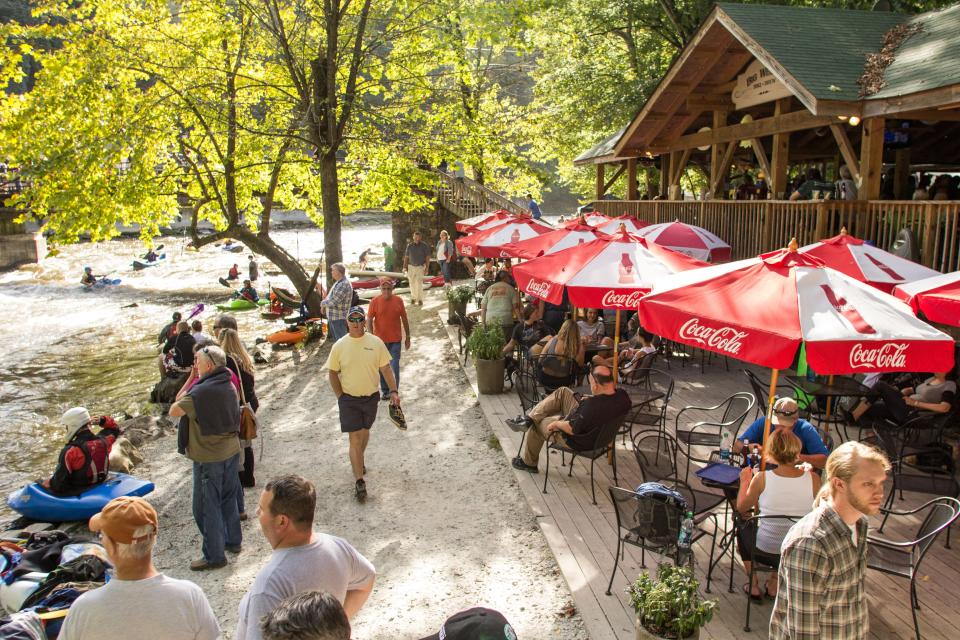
{"x":757,"y":85}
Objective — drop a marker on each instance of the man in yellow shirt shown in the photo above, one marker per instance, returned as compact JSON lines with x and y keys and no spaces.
{"x":356,"y":362}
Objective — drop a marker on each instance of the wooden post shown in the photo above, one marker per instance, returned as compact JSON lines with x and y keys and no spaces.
{"x":664,"y":174}
{"x":901,"y":180}
{"x":716,"y":149}
{"x":820,"y":231}
{"x":871,"y":159}
{"x":600,"y":182}
{"x":929,"y":235}
{"x":632,"y":191}
{"x":674,"y":171}
{"x":781,"y":152}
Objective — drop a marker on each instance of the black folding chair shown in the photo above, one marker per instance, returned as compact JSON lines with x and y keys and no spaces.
{"x":553,"y":372}
{"x":526,"y":387}
{"x":761,"y":391}
{"x":727,"y":416}
{"x":903,"y":559}
{"x":758,"y":559}
{"x":604,"y":442}
{"x":465,"y":325}
{"x":652,"y":413}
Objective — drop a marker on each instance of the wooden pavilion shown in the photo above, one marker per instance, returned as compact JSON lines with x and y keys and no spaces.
{"x":774,"y":86}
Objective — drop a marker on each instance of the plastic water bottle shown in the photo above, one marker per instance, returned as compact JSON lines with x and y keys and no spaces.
{"x":685,"y":539}
{"x":725,"y":446}
{"x":756,"y":457}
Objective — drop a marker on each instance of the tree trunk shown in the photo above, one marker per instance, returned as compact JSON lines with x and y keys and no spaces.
{"x":330,"y":198}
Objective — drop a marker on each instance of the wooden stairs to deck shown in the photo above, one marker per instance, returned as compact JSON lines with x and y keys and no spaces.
{"x":466,"y":198}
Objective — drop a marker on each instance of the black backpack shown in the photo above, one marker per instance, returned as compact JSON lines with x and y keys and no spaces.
{"x":659,"y":514}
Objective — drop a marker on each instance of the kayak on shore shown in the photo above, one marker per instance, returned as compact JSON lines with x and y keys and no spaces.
{"x":36,"y":503}
{"x":299,"y":333}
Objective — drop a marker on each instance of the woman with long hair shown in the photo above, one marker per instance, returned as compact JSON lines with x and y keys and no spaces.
{"x":240,"y":362}
{"x":562,"y":356}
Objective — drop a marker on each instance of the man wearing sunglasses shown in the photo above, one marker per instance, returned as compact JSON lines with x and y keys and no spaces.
{"x":786,"y":415}
{"x":355,"y":365}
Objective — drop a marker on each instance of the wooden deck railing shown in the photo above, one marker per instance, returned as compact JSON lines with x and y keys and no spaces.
{"x":467,"y":198}
{"x":755,"y":226}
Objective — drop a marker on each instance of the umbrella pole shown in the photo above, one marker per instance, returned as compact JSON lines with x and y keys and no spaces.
{"x":616,"y":341}
{"x":826,"y":415}
{"x":766,"y":422}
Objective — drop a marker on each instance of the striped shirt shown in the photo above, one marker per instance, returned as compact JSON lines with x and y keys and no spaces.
{"x":822,"y":573}
{"x":338,"y":299}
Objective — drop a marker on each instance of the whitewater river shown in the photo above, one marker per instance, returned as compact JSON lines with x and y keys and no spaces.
{"x":61,"y":346}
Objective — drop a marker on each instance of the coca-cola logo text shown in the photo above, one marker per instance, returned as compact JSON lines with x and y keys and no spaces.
{"x":611,"y":299}
{"x":887,"y":356}
{"x":538,"y":288}
{"x":725,"y":339}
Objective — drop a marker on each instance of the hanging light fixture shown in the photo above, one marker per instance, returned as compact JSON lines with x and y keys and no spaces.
{"x":853,"y":121}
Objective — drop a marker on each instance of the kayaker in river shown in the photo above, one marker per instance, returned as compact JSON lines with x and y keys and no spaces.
{"x":150,"y":256}
{"x":248,"y":292}
{"x":84,"y":460}
{"x":234,"y":273}
{"x":89,"y":279}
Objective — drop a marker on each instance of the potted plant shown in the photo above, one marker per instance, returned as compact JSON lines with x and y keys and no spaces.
{"x":670,"y":606}
{"x":457,"y":299}
{"x":486,"y":343}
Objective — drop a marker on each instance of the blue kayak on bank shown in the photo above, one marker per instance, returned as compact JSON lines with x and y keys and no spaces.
{"x":36,"y":503}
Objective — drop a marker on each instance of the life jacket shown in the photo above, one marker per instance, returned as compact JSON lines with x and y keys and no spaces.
{"x":96,"y":454}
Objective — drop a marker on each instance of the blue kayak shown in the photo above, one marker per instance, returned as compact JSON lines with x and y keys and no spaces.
{"x":140,"y":265}
{"x":99,"y":284}
{"x":36,"y":503}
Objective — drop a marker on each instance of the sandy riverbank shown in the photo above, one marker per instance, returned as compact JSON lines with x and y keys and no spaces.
{"x":445,"y":524}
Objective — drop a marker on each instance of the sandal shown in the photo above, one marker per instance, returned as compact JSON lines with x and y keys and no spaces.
{"x":747,"y":590}
{"x":766,"y":592}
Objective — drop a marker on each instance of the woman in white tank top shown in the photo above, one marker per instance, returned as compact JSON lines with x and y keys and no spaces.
{"x":787,"y":490}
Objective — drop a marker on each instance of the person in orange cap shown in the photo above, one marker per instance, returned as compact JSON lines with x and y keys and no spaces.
{"x":139,"y":602}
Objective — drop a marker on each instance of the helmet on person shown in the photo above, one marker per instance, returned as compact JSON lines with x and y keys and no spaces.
{"x":74,"y":420}
{"x":87,"y":269}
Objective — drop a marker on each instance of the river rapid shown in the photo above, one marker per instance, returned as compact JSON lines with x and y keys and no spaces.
{"x":62,"y":346}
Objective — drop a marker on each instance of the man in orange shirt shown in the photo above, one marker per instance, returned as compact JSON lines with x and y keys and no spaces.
{"x":385,"y":315}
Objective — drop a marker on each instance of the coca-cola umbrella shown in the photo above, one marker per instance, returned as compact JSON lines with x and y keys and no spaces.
{"x":866,"y":263}
{"x":595,"y":219}
{"x":488,"y":243}
{"x":694,"y":241}
{"x":611,"y":272}
{"x":938,"y":297}
{"x":572,"y":234}
{"x":483,"y":219}
{"x":762,"y":309}
{"x":632,"y":224}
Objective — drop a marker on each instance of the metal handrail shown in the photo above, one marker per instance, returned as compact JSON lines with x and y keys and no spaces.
{"x":466,"y":197}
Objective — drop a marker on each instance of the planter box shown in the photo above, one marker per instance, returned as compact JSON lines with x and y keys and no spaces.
{"x":490,"y":375}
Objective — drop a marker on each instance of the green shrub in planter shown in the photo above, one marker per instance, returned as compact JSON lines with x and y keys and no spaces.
{"x":460,"y":294}
{"x":670,"y":606}
{"x":486,"y":342}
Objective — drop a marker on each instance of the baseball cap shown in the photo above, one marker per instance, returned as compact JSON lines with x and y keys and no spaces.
{"x":357,"y":311}
{"x":122,"y":516}
{"x":785,"y":411}
{"x":478,"y":623}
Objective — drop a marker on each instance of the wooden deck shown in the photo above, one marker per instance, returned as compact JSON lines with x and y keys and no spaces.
{"x":583,"y":536}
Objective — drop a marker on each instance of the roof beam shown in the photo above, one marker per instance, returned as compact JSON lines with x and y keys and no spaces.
{"x":794,"y":121}
{"x":723,"y":170}
{"x":761,"y":155}
{"x":930,"y":115}
{"x":709,"y":102}
{"x":847,"y":151}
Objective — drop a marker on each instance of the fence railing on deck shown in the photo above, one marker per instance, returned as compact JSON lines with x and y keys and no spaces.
{"x":467,"y":198}
{"x":756,"y":226}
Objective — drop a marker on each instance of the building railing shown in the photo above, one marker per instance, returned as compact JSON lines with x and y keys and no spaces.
{"x":466,"y":197}
{"x":756,"y":226}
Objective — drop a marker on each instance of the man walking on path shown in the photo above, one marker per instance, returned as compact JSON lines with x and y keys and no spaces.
{"x":415,"y":261}
{"x":302,"y":560}
{"x":139,"y":602}
{"x":209,"y":410}
{"x":254,"y":270}
{"x":338,"y":300}
{"x":534,"y":207}
{"x":386,"y":316}
{"x":354,"y":362}
{"x":823,"y":559}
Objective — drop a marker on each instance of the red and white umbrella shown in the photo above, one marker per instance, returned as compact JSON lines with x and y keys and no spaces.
{"x":595,"y":219}
{"x":632,"y":224}
{"x":694,"y":241}
{"x":938,"y":297}
{"x":762,"y":309}
{"x":611,"y":272}
{"x":867,"y":263}
{"x":488,"y":243}
{"x":572,"y":234}
{"x":484,"y":219}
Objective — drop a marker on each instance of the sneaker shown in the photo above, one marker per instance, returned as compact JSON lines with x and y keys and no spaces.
{"x":520,"y":465}
{"x":396,"y":417}
{"x":520,"y":423}
{"x":361,"y":489}
{"x":203,"y":565}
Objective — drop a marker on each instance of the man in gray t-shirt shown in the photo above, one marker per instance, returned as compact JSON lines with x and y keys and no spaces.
{"x":302,"y":560}
{"x":416,"y":259}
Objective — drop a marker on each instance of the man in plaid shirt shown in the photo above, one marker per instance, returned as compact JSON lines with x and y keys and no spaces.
{"x":338,"y":301}
{"x":823,"y":560}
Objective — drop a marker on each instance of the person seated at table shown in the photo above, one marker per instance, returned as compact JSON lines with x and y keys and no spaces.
{"x":936,"y":394}
{"x":786,"y":417}
{"x":787,"y":490}
{"x":593,"y":331}
{"x":577,"y":422}
{"x":630,"y":356}
{"x":554,"y":355}
{"x":527,"y":333}
{"x":500,"y":303}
